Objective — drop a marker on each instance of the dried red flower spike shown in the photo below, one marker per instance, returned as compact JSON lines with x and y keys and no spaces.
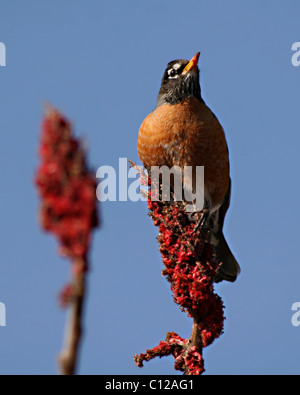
{"x":67,"y":188}
{"x":190,"y":267}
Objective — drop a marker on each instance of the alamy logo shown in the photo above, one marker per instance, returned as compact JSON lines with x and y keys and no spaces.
{"x":185,"y":184}
{"x":296,"y":316}
{"x":2,"y":54}
{"x":2,"y":314}
{"x":296,"y":56}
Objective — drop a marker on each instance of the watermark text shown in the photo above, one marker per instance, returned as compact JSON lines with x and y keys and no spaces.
{"x":2,"y":314}
{"x":296,"y":316}
{"x":296,"y":56}
{"x":2,"y":55}
{"x":167,"y":184}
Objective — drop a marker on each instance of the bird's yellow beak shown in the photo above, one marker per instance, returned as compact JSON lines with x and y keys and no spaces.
{"x":192,"y":64}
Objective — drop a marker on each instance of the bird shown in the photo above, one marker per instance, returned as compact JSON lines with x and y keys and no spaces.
{"x":183,"y":131}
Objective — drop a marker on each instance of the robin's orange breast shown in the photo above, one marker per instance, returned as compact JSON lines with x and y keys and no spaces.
{"x":187,"y":134}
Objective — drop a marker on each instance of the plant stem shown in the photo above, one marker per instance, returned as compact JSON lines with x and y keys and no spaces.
{"x":68,"y":358}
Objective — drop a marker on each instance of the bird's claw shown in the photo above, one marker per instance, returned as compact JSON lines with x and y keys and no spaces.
{"x":201,"y":221}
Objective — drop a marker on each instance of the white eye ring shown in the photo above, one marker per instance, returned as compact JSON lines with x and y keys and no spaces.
{"x":172,"y":73}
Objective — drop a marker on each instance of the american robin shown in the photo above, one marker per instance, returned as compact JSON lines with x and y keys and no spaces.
{"x":183,"y":131}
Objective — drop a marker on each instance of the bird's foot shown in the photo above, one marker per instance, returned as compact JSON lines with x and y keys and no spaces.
{"x":202,"y":219}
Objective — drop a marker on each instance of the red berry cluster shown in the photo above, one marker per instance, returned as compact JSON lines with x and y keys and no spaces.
{"x":173,"y":345}
{"x":190,"y":267}
{"x":67,"y":188}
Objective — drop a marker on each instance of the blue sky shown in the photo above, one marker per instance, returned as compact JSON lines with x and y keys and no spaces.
{"x":101,"y":64}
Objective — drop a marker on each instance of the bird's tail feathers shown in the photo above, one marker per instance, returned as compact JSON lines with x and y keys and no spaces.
{"x":229,"y":268}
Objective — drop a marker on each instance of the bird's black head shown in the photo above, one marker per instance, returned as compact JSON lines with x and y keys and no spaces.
{"x":180,"y":80}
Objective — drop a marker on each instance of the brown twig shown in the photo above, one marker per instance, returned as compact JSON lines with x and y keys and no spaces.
{"x":69,"y":355}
